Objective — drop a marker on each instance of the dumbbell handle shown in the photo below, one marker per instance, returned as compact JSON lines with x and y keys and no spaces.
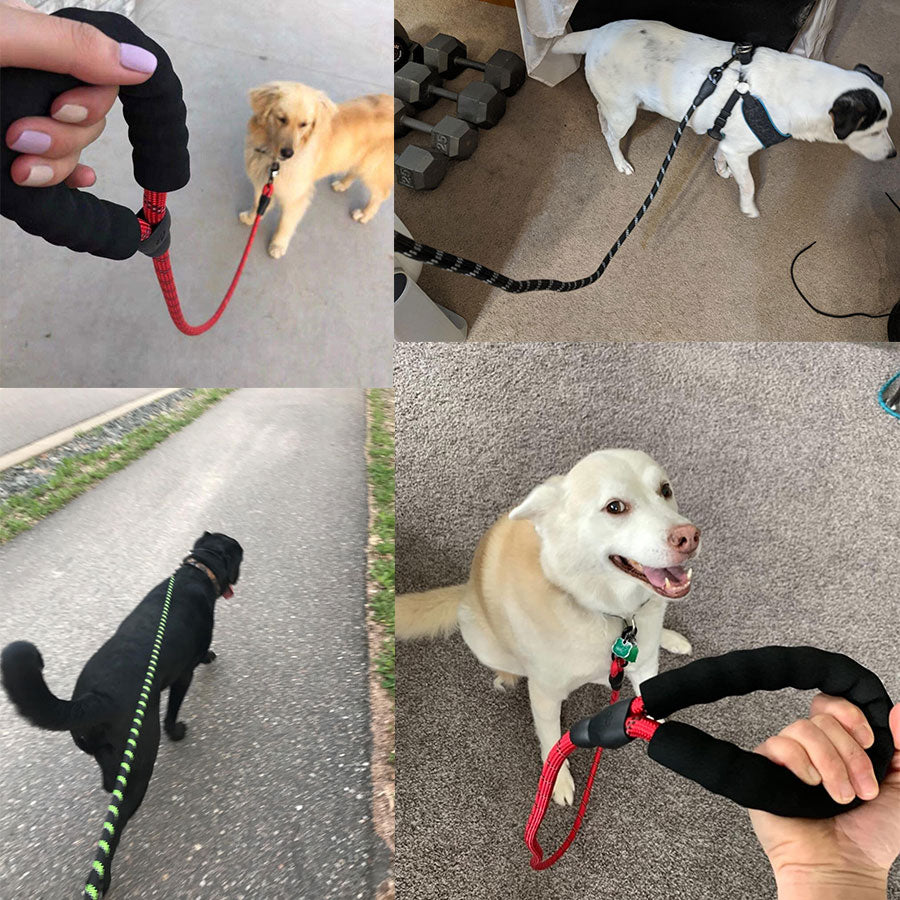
{"x":442,"y":92}
{"x":471,"y":63}
{"x":416,"y":125}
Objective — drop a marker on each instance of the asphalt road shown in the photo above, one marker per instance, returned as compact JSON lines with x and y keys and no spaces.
{"x":29,"y":414}
{"x":268,"y":796}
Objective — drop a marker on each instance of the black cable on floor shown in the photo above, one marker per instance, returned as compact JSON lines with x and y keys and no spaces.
{"x":822,"y":312}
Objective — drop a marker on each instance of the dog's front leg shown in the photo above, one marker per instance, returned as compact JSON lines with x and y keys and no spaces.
{"x":249,"y":217}
{"x":174,"y":729}
{"x":739,"y":164}
{"x":546,"y":708}
{"x":290,"y":219}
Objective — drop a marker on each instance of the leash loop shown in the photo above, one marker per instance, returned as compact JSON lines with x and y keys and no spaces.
{"x":154,"y":216}
{"x":93,"y":889}
{"x":431,"y":256}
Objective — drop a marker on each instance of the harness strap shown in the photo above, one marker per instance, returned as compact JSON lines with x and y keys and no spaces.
{"x":155,"y":216}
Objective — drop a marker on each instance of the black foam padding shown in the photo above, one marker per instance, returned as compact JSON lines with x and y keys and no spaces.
{"x":157,"y":130}
{"x":748,"y":778}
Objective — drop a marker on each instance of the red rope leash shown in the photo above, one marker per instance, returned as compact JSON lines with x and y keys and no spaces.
{"x":637,"y":725}
{"x":154,"y":212}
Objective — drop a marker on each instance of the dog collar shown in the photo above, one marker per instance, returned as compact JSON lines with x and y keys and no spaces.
{"x":190,"y":561}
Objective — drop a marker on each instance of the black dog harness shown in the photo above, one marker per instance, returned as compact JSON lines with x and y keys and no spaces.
{"x":755,"y":113}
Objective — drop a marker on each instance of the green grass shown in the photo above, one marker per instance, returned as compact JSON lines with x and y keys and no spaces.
{"x":381,"y":568}
{"x":77,"y":474}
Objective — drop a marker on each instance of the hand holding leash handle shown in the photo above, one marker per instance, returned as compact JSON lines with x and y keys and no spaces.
{"x":157,"y":130}
{"x":746,"y":778}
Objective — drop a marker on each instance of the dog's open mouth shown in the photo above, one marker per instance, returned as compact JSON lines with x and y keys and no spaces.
{"x":672,"y":582}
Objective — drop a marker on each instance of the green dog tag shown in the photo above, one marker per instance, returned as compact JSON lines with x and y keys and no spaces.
{"x":625,"y":650}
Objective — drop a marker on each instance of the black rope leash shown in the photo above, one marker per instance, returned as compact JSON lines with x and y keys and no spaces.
{"x":443,"y":260}
{"x":822,"y":312}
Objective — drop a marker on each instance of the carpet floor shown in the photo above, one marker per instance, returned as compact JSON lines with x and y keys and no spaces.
{"x":541,"y":198}
{"x":779,"y":452}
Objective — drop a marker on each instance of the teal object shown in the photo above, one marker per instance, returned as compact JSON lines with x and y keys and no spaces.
{"x":625,"y":650}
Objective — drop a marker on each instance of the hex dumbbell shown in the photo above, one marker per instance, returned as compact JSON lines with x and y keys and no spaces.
{"x":404,"y":49}
{"x":446,"y":55}
{"x":451,"y":136}
{"x":419,"y":169}
{"x":479,"y":103}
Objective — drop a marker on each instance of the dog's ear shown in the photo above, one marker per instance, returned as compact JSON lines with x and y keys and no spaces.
{"x":263,"y":98}
{"x":539,"y":502}
{"x":862,"y":67}
{"x":854,"y":111}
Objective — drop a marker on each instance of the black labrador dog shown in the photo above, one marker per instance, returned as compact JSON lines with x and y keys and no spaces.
{"x":103,"y":703}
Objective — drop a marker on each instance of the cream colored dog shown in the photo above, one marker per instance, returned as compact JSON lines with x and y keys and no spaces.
{"x":312,"y":137}
{"x":553,"y":582}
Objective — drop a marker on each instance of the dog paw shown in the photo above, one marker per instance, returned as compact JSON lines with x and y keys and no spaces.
{"x":750,"y":210}
{"x":177,"y":731}
{"x":276,"y":251}
{"x":674,"y":642}
{"x":339,"y":185}
{"x":504,"y":682}
{"x":248,"y":217}
{"x":208,"y":658}
{"x":360,"y":216}
{"x":625,"y":167}
{"x":722,"y":167}
{"x":564,"y":789}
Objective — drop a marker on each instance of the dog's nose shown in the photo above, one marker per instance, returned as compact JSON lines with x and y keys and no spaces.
{"x":892,"y":154}
{"x":287,"y":152}
{"x":684,"y":538}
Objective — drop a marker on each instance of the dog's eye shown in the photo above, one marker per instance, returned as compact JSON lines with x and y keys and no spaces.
{"x":666,"y":490}
{"x":303,"y":124}
{"x":283,"y":120}
{"x":616,"y":507}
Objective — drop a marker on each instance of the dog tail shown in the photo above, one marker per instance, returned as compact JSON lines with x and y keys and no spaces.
{"x":575,"y":42}
{"x":430,"y":614}
{"x":21,"y":665}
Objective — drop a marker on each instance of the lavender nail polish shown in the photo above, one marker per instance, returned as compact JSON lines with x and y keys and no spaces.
{"x":31,"y":142}
{"x":136,"y":58}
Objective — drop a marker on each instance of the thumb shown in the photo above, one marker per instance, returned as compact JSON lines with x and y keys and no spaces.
{"x":54,"y":44}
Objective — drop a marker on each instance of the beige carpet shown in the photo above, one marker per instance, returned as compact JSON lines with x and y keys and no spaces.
{"x":541,"y":198}
{"x":780,"y":454}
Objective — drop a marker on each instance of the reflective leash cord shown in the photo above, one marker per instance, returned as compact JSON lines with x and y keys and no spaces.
{"x":433,"y":257}
{"x":637,"y":724}
{"x":154,"y":213}
{"x":92,"y":889}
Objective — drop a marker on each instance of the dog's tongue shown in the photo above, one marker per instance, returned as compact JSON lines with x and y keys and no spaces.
{"x":229,"y":593}
{"x":657,"y":577}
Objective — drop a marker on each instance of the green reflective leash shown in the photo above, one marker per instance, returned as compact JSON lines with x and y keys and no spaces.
{"x":98,"y":866}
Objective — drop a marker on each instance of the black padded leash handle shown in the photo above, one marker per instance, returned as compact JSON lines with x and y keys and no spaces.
{"x":157,"y":130}
{"x":748,"y":778}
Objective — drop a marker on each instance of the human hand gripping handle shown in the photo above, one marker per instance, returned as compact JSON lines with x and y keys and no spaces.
{"x":157,"y":130}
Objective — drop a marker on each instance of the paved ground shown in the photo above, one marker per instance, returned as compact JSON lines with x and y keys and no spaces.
{"x":319,"y":317}
{"x":29,"y":414}
{"x":268,"y":796}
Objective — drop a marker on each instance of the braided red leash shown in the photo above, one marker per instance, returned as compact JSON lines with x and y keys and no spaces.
{"x":153,"y":212}
{"x":637,"y":725}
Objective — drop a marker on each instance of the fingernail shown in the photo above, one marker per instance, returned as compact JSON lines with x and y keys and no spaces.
{"x":136,"y":58}
{"x":71,"y":113}
{"x":869,"y":788}
{"x":845,"y":795}
{"x":864,"y":737}
{"x":812,"y":775}
{"x":37,"y":176}
{"x":31,"y":142}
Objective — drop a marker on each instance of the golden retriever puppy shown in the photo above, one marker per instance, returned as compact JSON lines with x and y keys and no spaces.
{"x":312,"y":137}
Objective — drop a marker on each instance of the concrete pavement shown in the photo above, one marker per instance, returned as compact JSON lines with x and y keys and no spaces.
{"x":29,"y":414}
{"x":268,"y":796}
{"x":320,"y":317}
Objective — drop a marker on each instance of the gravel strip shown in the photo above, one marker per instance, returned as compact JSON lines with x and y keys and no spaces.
{"x":39,"y":469}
